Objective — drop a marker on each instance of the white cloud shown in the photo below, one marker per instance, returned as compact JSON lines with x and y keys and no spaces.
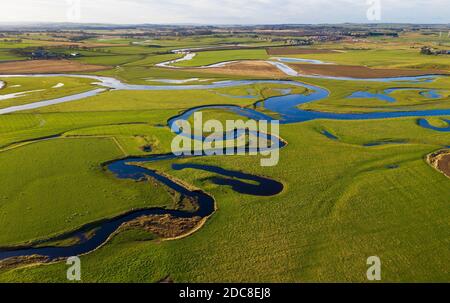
{"x":226,"y":11}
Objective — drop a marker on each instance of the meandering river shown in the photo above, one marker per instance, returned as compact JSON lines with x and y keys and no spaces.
{"x":286,"y":107}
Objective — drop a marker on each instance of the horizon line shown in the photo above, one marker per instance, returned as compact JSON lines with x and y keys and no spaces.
{"x":212,"y":24}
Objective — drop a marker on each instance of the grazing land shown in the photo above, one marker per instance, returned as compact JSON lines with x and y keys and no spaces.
{"x":212,"y":57}
{"x":365,"y":170}
{"x":355,"y":71}
{"x":26,"y":90}
{"x":296,"y":51}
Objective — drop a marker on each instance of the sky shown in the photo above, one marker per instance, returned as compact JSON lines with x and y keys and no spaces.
{"x":226,"y":11}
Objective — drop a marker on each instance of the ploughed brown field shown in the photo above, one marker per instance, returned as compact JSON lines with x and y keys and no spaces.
{"x":359,"y":71}
{"x":47,"y":66}
{"x":275,"y":51}
{"x":444,"y":164}
{"x":441,"y":161}
{"x":246,"y":68}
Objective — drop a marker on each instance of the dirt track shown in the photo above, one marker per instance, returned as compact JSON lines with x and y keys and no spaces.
{"x":47,"y":66}
{"x":359,"y":71}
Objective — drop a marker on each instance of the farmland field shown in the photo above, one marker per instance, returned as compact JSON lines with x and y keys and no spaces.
{"x":354,"y":177}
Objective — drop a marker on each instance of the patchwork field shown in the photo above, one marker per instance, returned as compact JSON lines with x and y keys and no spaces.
{"x":247,"y":68}
{"x":46,"y":67}
{"x":401,"y":57}
{"x":355,"y":71}
{"x":406,"y":96}
{"x":211,"y":57}
{"x":348,"y":188}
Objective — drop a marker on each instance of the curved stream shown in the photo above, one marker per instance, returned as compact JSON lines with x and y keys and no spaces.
{"x":129,"y":169}
{"x":287,"y":109}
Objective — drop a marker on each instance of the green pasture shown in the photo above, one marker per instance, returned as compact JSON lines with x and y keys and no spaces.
{"x":342,"y":203}
{"x":343,"y":200}
{"x":167,"y":100}
{"x":37,"y":201}
{"x":338,"y":100}
{"x":211,"y":57}
{"x":41,"y":88}
{"x":383,"y":58}
{"x":7,"y":55}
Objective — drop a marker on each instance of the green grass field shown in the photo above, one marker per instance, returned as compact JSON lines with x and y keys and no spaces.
{"x":9,"y":56}
{"x":38,"y":89}
{"x":383,"y":58}
{"x":312,"y":237}
{"x":39,"y":173}
{"x":342,"y":202}
{"x":211,"y":57}
{"x":407,"y":100}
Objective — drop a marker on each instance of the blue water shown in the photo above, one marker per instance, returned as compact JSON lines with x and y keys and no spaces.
{"x":363,"y":95}
{"x":387,"y":142}
{"x":123,"y":169}
{"x":425,"y":124}
{"x":255,"y":185}
{"x":299,"y":60}
{"x":285,"y":107}
{"x":429,"y":94}
{"x":329,"y":135}
{"x":393,"y":166}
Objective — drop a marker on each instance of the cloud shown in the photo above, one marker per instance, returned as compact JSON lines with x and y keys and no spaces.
{"x":226,"y":11}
